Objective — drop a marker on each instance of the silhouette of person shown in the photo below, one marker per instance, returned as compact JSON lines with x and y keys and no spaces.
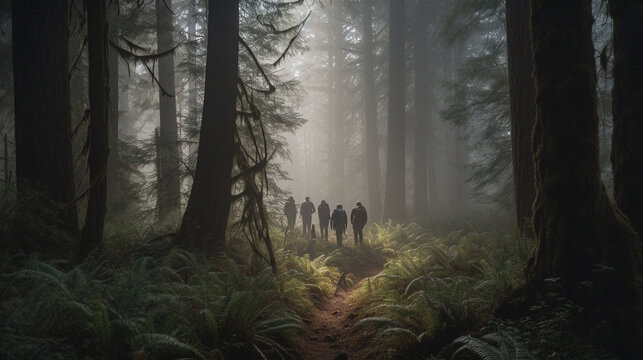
{"x":323,"y":210}
{"x":339,"y":222}
{"x":290,"y":210}
{"x":306,"y":211}
{"x":358,"y":220}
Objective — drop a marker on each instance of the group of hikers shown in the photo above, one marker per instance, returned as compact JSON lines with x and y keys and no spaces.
{"x":338,"y":221}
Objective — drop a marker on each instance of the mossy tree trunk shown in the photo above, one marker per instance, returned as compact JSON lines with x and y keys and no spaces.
{"x":523,"y":110}
{"x":581,"y":237}
{"x":206,"y":217}
{"x":627,"y":109}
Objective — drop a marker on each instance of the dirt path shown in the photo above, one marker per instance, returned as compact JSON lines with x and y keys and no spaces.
{"x":330,"y":327}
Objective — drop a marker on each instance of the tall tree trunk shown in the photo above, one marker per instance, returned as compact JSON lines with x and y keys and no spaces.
{"x":627,"y":109}
{"x":331,"y":104}
{"x":169,"y":200}
{"x":370,"y":114}
{"x":458,"y":151}
{"x":206,"y":217}
{"x":394,"y":195}
{"x":98,"y":126}
{"x":339,"y":111}
{"x":580,"y":235}
{"x":42,"y":108}
{"x":523,"y":110}
{"x":422,"y":110}
{"x":112,"y":173}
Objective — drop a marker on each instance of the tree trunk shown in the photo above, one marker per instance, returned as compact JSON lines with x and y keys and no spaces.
{"x":112,"y":173}
{"x":339,"y":111}
{"x":580,"y":235}
{"x":42,"y":108}
{"x":169,"y":200}
{"x":98,"y":126}
{"x":331,"y":105}
{"x":370,"y":115}
{"x":394,"y":195}
{"x":523,"y":110}
{"x":627,"y":109}
{"x":422,"y":111}
{"x":206,"y":217}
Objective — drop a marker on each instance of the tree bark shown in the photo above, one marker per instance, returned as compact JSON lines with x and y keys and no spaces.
{"x":422,"y":111}
{"x":169,"y":199}
{"x":98,"y":126}
{"x":580,"y":235}
{"x":394,"y":195}
{"x":523,"y":110}
{"x":206,"y":217}
{"x":370,"y":114}
{"x":627,"y":109}
{"x":42,"y":108}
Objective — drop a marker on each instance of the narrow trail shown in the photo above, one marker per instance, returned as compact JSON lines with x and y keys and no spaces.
{"x":330,"y":327}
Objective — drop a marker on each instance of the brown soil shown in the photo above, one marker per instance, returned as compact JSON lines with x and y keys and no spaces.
{"x":329,"y":329}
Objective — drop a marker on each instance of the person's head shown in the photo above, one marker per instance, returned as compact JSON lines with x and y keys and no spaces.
{"x":359,"y":203}
{"x":323,"y":201}
{"x":307,"y":198}
{"x":291,"y":198}
{"x":339,"y":206}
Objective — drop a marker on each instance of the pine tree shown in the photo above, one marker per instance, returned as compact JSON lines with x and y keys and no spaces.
{"x":206,"y":217}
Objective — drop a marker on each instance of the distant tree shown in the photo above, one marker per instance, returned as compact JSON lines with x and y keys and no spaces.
{"x":422,"y":109}
{"x":394,"y":195}
{"x":627,"y":109}
{"x":97,"y":32}
{"x":206,"y":217}
{"x":42,"y":103}
{"x":523,"y":109}
{"x":113,"y":170}
{"x":169,"y":196}
{"x":370,"y":112}
{"x":339,"y":113}
{"x":582,"y":239}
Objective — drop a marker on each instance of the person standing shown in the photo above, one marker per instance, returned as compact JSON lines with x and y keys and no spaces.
{"x":339,"y":222}
{"x":324,"y":219}
{"x":358,"y":220}
{"x":306,"y":211}
{"x":290,"y":210}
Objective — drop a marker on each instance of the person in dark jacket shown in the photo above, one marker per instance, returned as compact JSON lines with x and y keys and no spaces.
{"x":306,"y":211}
{"x":290,"y":210}
{"x":323,"y":210}
{"x":339,"y":222}
{"x":358,"y":220}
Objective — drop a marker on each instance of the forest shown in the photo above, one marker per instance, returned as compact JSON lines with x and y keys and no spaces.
{"x":321,"y":179}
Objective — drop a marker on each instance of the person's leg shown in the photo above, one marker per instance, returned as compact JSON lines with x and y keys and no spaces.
{"x":360,"y":232}
{"x":356,"y":235}
{"x":303,"y":224}
{"x":338,"y":233}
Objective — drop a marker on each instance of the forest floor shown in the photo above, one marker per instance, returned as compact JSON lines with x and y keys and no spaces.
{"x":331,"y":324}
